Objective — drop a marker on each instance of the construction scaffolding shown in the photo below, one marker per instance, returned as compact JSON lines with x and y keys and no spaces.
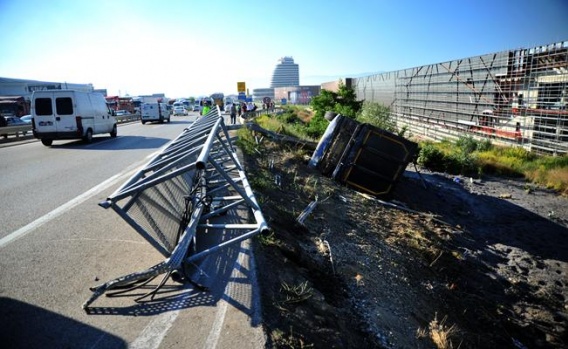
{"x":517,"y":97}
{"x":190,"y":201}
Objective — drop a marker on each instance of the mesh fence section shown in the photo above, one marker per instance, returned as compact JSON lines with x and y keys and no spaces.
{"x":158,"y":209}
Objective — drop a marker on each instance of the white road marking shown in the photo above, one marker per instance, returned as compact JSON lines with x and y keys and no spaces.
{"x":215,"y":332}
{"x":151,"y":337}
{"x":153,"y":334}
{"x":69,"y":205}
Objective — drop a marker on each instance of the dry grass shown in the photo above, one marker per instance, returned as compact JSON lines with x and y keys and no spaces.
{"x":296,"y":293}
{"x":441,"y":334}
{"x":556,"y":179}
{"x":305,"y":115}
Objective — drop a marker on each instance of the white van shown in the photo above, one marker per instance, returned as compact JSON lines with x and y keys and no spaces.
{"x":154,"y":112}
{"x":69,"y":114}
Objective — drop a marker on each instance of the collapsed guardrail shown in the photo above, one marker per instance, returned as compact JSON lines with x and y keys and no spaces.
{"x":177,"y":194}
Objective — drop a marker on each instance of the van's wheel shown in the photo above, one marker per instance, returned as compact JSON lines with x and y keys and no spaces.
{"x":114,"y":131}
{"x":143,"y":122}
{"x":88,"y":136}
{"x":47,"y":142}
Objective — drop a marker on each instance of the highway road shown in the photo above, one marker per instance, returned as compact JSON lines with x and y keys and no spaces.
{"x":56,"y":242}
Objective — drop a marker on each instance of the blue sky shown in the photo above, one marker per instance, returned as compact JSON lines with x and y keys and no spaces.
{"x":188,"y":48}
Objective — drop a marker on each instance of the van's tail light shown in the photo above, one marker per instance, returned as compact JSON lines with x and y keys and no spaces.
{"x":79,"y":125}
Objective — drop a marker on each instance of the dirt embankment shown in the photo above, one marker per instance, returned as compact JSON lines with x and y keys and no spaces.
{"x":457,"y":263}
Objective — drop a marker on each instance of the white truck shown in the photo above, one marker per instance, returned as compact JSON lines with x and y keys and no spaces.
{"x":70,"y":114}
{"x":154,"y":112}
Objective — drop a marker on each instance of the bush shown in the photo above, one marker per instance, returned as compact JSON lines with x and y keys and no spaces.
{"x":431,"y":157}
{"x":461,"y":163}
{"x":466,"y":144}
{"x":342,"y":102}
{"x":377,"y":115}
{"x":316,"y":127}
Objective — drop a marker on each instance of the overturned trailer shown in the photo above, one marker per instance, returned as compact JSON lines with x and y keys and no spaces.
{"x":362,"y":156}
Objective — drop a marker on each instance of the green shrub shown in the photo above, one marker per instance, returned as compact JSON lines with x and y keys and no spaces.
{"x":343,"y":102}
{"x":377,"y":115}
{"x":466,"y":144}
{"x":431,"y":157}
{"x":484,"y":145}
{"x":461,"y":163}
{"x":316,"y":127}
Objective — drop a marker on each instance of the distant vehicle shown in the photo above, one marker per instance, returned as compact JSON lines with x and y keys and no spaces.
{"x":155,"y":112}
{"x":14,"y":106}
{"x":121,"y":112}
{"x":179,"y":110}
{"x":196,"y":108}
{"x":27,"y":119}
{"x":14,"y":121}
{"x":218,"y":98}
{"x":70,"y":114}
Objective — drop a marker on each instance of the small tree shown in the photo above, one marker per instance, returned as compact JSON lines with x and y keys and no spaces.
{"x":377,"y":115}
{"x":343,"y":102}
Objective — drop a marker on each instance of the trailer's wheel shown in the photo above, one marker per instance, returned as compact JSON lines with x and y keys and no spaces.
{"x":47,"y":142}
{"x":88,"y":138}
{"x":114,"y":131}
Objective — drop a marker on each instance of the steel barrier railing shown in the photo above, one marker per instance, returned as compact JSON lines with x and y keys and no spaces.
{"x":185,"y":189}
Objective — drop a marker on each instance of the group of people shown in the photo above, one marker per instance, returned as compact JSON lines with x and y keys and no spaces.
{"x":236,"y":109}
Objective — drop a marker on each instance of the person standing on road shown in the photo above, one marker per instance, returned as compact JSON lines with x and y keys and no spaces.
{"x":205,"y":109}
{"x":233,"y":114}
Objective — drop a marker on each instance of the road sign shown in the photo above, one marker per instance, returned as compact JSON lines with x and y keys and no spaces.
{"x":242,"y":96}
{"x":241,"y":87}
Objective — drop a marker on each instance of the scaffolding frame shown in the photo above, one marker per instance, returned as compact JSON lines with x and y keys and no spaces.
{"x":517,"y":97}
{"x":197,"y":177}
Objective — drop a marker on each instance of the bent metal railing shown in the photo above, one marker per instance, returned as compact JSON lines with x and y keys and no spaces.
{"x":195,"y":180}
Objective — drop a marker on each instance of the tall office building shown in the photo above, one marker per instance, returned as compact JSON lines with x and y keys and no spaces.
{"x":286,"y":73}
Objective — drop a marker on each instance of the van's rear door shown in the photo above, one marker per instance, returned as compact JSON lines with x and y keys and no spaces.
{"x":43,"y":112}
{"x":65,"y":113}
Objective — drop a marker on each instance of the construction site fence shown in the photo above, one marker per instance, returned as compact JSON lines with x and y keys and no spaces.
{"x":517,"y":97}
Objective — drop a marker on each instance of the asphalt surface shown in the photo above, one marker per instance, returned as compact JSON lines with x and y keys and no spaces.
{"x":56,"y":242}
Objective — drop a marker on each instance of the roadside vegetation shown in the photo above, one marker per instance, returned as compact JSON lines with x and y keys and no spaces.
{"x":466,"y":156}
{"x":324,"y":292}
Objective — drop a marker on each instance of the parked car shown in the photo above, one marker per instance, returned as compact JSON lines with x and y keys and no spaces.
{"x":179,"y":110}
{"x":196,"y":108}
{"x":27,"y":119}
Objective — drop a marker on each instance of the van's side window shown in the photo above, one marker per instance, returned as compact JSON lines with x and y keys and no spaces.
{"x":43,"y":106}
{"x":64,"y":106}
